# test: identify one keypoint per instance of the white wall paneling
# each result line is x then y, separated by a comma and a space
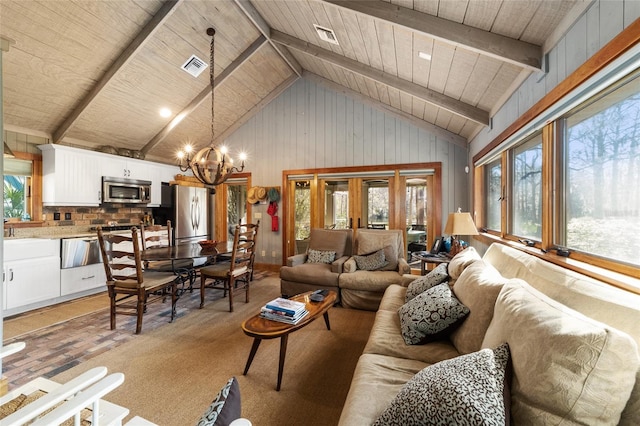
311, 125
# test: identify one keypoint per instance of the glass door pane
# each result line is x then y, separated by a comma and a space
336, 204
416, 208
375, 203
302, 215
236, 207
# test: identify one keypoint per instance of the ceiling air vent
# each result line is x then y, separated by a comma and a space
326, 34
194, 66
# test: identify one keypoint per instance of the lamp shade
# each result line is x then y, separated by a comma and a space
460, 223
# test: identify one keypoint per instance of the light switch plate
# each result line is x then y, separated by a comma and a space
257, 215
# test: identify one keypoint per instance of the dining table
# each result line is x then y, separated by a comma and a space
186, 276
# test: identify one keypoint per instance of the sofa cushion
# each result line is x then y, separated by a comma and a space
431, 315
369, 241
372, 261
467, 390
321, 256
567, 367
377, 380
225, 407
385, 338
461, 260
477, 288
330, 240
433, 278
312, 273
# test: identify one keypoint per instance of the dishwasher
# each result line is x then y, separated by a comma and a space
82, 271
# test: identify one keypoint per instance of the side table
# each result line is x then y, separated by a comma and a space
435, 259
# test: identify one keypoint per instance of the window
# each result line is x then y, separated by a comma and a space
571, 168
17, 185
493, 191
601, 144
526, 189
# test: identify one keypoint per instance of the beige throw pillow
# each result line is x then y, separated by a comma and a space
567, 368
477, 288
461, 260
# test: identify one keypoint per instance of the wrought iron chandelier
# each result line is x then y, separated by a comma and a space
211, 165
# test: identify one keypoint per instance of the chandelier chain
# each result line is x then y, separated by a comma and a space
211, 83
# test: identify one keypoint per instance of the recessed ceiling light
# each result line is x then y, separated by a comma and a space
424, 55
165, 112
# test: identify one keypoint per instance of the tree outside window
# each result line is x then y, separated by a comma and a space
526, 203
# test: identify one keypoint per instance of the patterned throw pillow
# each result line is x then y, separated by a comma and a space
431, 315
466, 390
321, 256
433, 278
371, 262
225, 408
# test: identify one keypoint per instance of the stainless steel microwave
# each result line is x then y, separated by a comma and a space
121, 190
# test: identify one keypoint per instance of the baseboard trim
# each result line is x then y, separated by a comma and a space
267, 267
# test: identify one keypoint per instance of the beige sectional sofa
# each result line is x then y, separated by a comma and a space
573, 342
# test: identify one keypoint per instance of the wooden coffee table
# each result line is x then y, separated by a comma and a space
260, 328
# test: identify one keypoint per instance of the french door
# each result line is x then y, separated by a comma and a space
403, 197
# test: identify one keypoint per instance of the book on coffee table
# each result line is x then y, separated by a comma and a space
280, 316
287, 306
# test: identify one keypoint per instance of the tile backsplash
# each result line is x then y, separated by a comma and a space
93, 216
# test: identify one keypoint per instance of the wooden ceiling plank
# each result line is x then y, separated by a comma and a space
330, 17
135, 46
525, 55
262, 26
245, 56
446, 102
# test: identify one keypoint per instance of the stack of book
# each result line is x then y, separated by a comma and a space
284, 310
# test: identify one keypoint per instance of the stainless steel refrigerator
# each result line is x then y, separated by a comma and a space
192, 214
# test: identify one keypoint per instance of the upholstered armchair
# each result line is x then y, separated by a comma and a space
378, 261
321, 265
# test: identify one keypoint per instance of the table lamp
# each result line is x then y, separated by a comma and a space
459, 223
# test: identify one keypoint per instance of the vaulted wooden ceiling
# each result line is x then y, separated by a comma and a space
93, 73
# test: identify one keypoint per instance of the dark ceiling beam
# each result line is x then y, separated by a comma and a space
127, 54
522, 54
438, 99
262, 26
205, 93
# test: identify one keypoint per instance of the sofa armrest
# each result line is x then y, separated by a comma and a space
349, 265
296, 260
338, 265
403, 266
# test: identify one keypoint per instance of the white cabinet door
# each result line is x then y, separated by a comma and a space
75, 280
162, 173
70, 176
31, 280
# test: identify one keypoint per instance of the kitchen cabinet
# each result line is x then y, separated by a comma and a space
73, 176
83, 278
129, 168
70, 176
162, 173
31, 272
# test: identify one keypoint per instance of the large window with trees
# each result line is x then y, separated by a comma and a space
601, 169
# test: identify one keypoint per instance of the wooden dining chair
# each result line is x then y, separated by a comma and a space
161, 236
130, 288
236, 274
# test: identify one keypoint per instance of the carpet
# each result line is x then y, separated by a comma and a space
173, 371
